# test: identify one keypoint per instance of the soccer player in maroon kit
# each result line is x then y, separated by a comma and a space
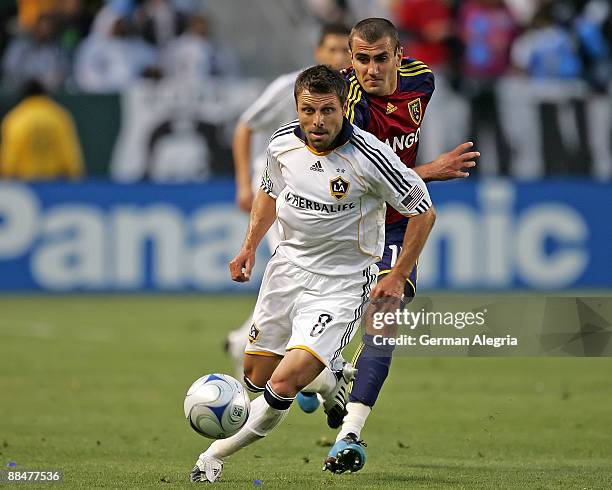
388, 97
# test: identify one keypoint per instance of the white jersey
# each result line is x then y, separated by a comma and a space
274, 107
331, 206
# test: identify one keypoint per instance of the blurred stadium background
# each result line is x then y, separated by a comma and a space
148, 94
154, 88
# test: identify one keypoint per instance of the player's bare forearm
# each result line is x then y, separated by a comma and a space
418, 230
241, 151
448, 166
415, 237
263, 215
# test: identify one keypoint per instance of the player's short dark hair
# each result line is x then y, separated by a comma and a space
321, 79
333, 30
373, 29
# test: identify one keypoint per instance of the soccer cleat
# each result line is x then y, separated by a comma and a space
347, 455
335, 405
308, 402
207, 469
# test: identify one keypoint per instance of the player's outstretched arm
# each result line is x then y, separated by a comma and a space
452, 165
263, 214
241, 150
417, 232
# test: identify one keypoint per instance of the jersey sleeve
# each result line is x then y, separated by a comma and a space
389, 178
270, 104
272, 182
429, 84
357, 105
416, 76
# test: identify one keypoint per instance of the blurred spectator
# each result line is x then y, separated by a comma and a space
426, 26
195, 56
158, 21
7, 11
39, 140
523, 10
107, 15
74, 22
31, 10
593, 28
329, 11
110, 60
547, 50
362, 9
487, 30
36, 55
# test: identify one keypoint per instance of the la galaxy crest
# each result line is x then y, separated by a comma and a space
415, 110
253, 334
339, 187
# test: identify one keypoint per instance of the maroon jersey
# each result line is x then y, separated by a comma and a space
394, 119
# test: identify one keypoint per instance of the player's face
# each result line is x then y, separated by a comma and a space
334, 52
320, 117
376, 64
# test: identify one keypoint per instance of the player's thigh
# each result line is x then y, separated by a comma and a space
328, 317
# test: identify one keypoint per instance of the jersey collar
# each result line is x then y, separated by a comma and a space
343, 137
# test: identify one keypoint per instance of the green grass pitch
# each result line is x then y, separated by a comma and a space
94, 386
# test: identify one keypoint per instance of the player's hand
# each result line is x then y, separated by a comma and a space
244, 198
390, 286
454, 164
242, 265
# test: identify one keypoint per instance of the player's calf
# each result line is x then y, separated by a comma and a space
372, 364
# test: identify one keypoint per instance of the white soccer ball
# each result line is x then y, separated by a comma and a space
216, 406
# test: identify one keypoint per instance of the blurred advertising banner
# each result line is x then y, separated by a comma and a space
490, 235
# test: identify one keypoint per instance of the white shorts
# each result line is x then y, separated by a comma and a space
297, 309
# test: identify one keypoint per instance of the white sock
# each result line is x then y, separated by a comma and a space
354, 420
262, 419
323, 384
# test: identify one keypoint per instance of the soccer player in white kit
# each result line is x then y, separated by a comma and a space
275, 107
327, 182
